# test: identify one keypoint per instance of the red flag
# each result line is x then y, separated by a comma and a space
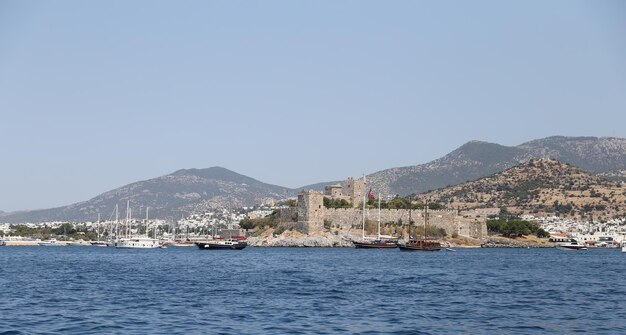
370, 195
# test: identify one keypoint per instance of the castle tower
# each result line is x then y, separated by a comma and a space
311, 211
355, 190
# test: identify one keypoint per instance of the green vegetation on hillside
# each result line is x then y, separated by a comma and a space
336, 203
400, 203
66, 231
269, 221
430, 231
515, 228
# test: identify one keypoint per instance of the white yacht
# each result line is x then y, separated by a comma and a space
624, 246
571, 245
138, 242
141, 242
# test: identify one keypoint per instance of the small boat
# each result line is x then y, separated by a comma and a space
228, 244
571, 245
420, 245
186, 243
3, 243
50, 243
75, 244
623, 246
99, 244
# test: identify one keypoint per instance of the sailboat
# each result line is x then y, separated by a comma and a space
179, 242
141, 242
114, 232
98, 243
422, 244
369, 243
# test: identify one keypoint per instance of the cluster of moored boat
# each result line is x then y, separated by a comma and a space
143, 242
411, 245
423, 244
127, 241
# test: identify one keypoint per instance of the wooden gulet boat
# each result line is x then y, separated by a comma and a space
423, 244
377, 243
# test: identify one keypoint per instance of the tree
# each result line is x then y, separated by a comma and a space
542, 233
246, 224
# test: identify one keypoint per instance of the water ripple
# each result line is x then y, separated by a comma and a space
310, 291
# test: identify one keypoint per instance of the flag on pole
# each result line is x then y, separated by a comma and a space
370, 195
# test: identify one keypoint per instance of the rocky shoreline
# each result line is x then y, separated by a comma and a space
333, 240
511, 243
294, 239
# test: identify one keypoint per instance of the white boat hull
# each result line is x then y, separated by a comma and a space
50, 243
138, 243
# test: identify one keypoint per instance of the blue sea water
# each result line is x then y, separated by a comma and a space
91, 290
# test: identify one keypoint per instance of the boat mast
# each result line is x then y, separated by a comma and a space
410, 222
425, 217
128, 219
98, 227
379, 216
363, 214
117, 223
147, 224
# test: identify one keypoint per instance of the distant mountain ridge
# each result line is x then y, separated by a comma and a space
171, 196
194, 190
477, 159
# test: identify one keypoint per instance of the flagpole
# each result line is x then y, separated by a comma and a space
363, 227
379, 216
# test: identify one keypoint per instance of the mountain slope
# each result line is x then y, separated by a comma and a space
479, 159
544, 187
194, 190
170, 196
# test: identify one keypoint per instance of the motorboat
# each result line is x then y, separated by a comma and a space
572, 244
50, 243
227, 244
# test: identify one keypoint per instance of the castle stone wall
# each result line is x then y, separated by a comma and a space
288, 214
447, 219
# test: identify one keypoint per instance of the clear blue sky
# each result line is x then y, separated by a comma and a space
98, 94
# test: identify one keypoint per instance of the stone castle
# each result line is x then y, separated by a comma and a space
311, 213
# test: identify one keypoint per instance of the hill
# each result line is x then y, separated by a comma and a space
542, 187
195, 190
180, 193
478, 159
